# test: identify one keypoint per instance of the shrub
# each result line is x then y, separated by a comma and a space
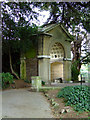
76, 96
7, 79
27, 81
43, 83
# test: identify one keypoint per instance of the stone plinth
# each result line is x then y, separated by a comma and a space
36, 82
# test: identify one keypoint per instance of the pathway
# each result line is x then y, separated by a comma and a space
21, 103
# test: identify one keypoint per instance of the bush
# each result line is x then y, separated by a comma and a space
43, 83
27, 81
7, 79
76, 96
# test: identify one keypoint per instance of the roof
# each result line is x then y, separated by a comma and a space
49, 27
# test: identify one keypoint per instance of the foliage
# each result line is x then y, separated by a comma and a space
27, 81
7, 79
74, 71
76, 96
43, 83
18, 34
74, 16
70, 14
85, 59
17, 17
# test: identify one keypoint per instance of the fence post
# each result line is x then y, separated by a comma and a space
81, 79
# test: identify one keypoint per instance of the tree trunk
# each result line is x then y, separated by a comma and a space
12, 67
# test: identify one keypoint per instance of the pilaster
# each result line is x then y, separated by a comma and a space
23, 68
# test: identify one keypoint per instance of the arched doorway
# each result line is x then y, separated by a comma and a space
56, 60
56, 70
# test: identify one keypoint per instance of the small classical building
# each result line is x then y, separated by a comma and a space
53, 57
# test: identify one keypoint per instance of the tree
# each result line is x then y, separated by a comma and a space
70, 14
85, 59
16, 30
20, 14
74, 16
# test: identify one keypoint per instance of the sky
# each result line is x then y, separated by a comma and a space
43, 17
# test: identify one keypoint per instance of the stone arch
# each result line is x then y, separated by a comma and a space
56, 70
57, 51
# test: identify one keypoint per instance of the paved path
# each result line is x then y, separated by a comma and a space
67, 84
21, 103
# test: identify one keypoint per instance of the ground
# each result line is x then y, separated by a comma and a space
18, 84
21, 103
56, 111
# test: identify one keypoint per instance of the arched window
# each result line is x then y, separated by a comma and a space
57, 51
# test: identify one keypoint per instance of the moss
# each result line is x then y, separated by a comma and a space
23, 70
31, 53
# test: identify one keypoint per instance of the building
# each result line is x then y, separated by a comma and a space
53, 57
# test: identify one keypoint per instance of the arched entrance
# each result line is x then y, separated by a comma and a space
56, 60
56, 70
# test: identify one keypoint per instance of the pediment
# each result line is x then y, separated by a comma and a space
47, 28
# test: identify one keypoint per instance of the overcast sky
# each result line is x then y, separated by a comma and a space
42, 18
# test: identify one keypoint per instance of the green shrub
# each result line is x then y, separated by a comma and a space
76, 96
7, 79
27, 81
43, 83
